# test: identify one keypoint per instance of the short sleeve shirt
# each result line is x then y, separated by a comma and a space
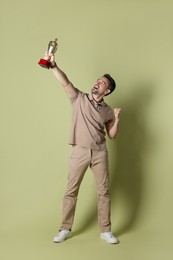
88, 121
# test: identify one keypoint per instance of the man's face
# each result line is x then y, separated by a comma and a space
101, 87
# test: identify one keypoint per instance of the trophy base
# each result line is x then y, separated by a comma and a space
44, 63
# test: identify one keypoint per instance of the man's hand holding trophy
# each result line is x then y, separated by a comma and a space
52, 47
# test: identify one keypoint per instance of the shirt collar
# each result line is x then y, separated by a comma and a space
91, 98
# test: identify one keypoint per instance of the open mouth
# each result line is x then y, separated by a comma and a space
95, 87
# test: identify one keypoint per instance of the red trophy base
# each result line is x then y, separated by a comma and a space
44, 63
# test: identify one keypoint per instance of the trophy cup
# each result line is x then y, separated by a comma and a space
52, 47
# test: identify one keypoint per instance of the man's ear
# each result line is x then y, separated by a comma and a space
107, 91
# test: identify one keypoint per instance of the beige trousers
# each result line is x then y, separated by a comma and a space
82, 158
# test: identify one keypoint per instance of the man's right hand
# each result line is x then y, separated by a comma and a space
50, 57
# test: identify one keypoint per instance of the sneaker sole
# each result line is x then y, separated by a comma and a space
69, 235
115, 242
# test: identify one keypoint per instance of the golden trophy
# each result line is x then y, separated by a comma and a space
52, 47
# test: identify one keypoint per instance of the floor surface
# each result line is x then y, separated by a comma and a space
142, 245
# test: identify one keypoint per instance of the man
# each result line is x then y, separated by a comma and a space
90, 116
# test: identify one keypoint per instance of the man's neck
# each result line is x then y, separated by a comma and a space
97, 98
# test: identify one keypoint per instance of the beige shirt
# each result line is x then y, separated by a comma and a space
88, 121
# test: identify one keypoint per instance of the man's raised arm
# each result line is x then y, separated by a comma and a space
61, 77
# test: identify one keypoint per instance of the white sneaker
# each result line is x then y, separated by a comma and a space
109, 238
62, 235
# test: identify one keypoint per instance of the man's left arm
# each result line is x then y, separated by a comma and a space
113, 125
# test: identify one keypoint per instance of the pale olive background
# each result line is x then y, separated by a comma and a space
131, 40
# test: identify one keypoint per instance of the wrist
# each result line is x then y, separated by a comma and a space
53, 65
117, 119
